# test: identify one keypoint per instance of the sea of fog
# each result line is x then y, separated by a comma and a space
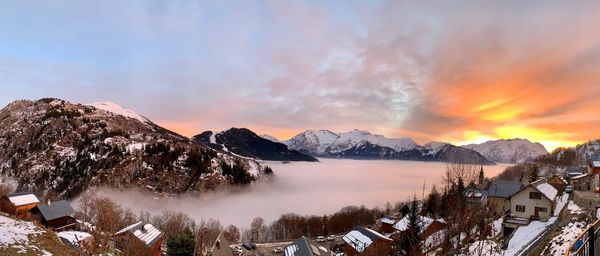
303, 188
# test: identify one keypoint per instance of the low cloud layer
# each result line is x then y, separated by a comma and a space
460, 72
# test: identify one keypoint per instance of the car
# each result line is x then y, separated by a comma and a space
253, 245
247, 246
568, 189
320, 239
331, 238
278, 250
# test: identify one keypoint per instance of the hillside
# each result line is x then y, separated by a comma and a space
54, 146
19, 237
244, 142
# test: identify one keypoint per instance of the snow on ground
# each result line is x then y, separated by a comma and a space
16, 234
559, 244
497, 227
574, 209
135, 146
485, 248
525, 235
74, 237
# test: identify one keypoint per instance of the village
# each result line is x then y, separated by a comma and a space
500, 217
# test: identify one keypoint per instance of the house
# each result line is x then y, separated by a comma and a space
387, 224
535, 201
499, 193
594, 171
58, 216
139, 238
19, 204
220, 247
581, 182
305, 247
364, 241
559, 183
428, 225
476, 196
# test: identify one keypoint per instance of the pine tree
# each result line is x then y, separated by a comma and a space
534, 173
181, 244
432, 203
413, 233
481, 176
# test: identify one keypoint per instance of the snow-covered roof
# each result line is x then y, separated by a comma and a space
360, 238
146, 233
583, 175
388, 220
304, 247
23, 199
596, 164
74, 237
548, 190
425, 221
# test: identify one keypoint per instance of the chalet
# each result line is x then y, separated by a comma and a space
304, 247
387, 224
559, 183
581, 182
594, 171
364, 241
535, 201
58, 216
499, 193
220, 247
19, 204
476, 197
139, 238
428, 225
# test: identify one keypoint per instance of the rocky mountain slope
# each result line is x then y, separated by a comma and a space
54, 146
244, 142
358, 144
579, 155
509, 151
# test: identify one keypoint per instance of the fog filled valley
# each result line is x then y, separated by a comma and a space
303, 188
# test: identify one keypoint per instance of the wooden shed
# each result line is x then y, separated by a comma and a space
58, 216
19, 204
364, 241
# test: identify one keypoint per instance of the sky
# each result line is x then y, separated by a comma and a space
456, 71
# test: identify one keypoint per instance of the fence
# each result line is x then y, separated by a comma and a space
587, 243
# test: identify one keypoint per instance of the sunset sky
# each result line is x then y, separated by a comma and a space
456, 71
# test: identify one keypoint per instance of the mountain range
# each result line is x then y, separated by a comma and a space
243, 142
509, 151
57, 147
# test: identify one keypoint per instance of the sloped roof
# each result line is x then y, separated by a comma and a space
425, 221
221, 247
25, 198
596, 164
145, 232
548, 190
56, 210
304, 247
504, 188
360, 238
389, 220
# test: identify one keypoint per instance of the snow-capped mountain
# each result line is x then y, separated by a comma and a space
509, 151
271, 138
318, 142
54, 146
246, 143
358, 144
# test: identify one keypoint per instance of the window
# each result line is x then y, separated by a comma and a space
535, 195
543, 209
520, 208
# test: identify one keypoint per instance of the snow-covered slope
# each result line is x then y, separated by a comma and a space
509, 151
18, 237
118, 110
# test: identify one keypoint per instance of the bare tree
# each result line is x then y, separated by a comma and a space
172, 223
258, 230
232, 234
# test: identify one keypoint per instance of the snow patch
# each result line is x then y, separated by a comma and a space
118, 110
